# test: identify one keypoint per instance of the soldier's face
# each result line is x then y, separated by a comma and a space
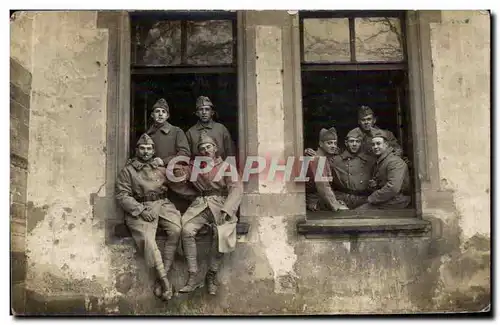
145, 152
207, 150
367, 122
160, 115
205, 113
379, 146
353, 144
330, 146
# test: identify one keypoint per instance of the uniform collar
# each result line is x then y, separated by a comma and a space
369, 133
138, 165
384, 155
346, 154
209, 125
165, 128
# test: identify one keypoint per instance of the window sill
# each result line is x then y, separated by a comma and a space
122, 232
378, 223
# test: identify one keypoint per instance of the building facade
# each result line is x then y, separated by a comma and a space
82, 82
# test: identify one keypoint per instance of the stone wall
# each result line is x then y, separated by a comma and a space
71, 268
20, 95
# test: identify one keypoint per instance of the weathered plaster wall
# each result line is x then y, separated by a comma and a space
461, 58
273, 270
460, 47
65, 245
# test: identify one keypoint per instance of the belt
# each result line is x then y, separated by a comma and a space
213, 192
151, 197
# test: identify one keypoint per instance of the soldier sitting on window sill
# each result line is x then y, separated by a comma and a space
319, 193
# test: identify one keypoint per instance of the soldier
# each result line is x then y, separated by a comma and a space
319, 193
141, 192
170, 141
367, 120
391, 181
216, 206
205, 112
352, 170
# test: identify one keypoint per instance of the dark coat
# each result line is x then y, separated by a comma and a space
170, 141
393, 181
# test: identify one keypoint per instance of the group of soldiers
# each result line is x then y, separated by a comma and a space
151, 200
369, 174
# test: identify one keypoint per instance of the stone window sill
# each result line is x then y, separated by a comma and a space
365, 224
122, 232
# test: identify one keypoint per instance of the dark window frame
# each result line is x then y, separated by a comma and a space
353, 65
410, 213
147, 17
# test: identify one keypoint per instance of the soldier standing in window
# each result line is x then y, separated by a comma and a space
216, 206
170, 141
367, 120
206, 124
319, 193
391, 181
141, 192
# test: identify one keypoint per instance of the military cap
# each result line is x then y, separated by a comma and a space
203, 101
354, 133
161, 103
364, 111
205, 138
145, 139
380, 134
328, 134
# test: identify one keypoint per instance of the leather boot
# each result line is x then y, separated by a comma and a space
211, 283
167, 289
192, 283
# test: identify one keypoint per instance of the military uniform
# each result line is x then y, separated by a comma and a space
170, 140
215, 130
366, 142
319, 193
393, 183
351, 173
216, 196
141, 186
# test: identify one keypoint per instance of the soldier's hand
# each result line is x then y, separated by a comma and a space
340, 207
310, 152
159, 162
224, 217
147, 215
372, 183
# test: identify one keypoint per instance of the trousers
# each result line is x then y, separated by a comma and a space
188, 235
144, 234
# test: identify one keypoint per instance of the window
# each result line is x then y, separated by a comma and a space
350, 59
179, 56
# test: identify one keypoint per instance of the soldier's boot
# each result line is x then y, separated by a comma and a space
192, 283
162, 289
211, 279
167, 289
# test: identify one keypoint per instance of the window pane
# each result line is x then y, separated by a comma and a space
326, 40
378, 39
160, 44
209, 42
